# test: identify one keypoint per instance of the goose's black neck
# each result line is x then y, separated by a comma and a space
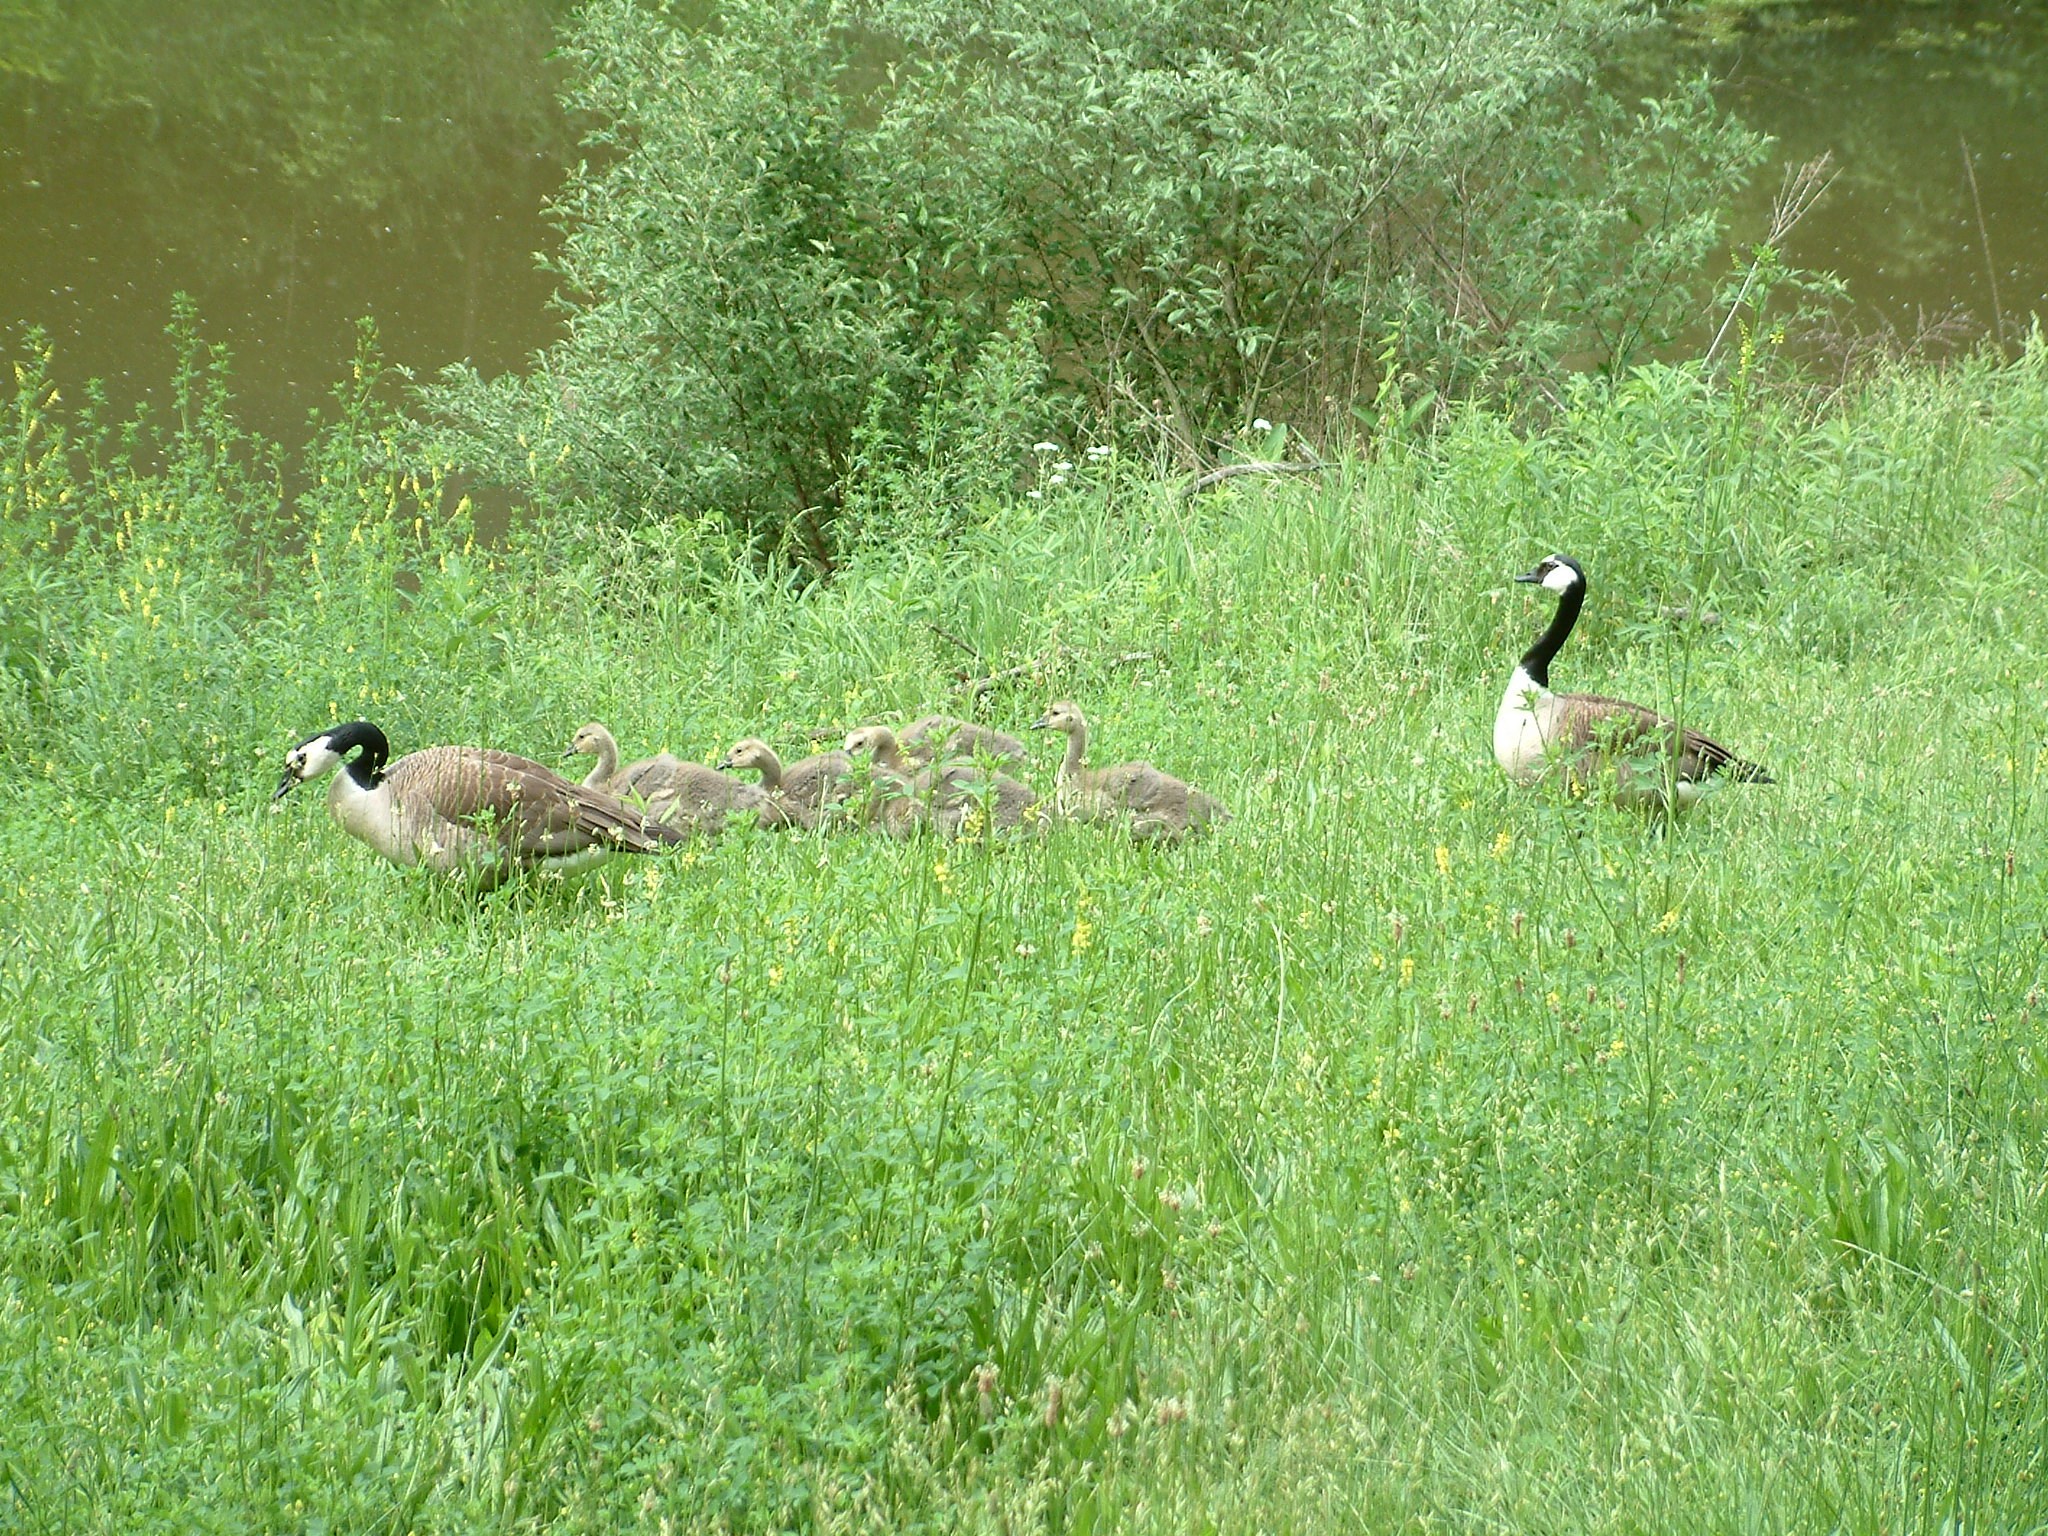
367, 767
1536, 660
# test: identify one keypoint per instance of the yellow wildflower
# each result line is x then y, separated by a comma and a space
1443, 859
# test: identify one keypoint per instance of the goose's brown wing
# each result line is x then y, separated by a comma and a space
527, 808
1592, 721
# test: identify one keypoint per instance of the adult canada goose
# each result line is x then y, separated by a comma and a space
806, 791
466, 810
1537, 730
1157, 806
893, 803
944, 739
685, 795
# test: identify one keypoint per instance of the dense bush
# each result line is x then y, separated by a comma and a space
810, 221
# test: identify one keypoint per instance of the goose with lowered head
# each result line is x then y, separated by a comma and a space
466, 811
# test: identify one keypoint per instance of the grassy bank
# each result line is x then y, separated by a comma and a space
1414, 1154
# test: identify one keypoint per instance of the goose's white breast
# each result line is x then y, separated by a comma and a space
1518, 728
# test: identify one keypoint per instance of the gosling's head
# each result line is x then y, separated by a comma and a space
878, 739
590, 741
748, 752
1064, 716
1560, 573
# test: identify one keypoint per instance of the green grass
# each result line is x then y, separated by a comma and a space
1415, 1154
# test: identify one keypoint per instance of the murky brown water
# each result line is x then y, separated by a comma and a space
295, 167
1901, 93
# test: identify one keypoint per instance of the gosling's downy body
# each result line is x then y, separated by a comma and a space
943, 739
964, 798
803, 795
1155, 805
892, 802
1583, 735
466, 811
687, 796
961, 798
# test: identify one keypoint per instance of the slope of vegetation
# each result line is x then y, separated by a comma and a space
1415, 1153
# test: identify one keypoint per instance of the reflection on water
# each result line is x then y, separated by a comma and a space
1897, 91
294, 167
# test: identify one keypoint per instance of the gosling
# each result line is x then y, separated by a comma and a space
1156, 806
892, 803
806, 793
687, 796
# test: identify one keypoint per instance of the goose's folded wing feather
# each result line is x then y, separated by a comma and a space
522, 804
1584, 720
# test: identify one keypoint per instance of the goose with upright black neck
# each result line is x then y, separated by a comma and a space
1535, 732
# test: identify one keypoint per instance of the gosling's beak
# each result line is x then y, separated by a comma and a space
290, 782
570, 752
1534, 578
725, 763
1038, 725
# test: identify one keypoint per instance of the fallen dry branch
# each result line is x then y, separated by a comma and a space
1224, 472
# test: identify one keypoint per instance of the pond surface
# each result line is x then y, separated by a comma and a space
1915, 101
294, 167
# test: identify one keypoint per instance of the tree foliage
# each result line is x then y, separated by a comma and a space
809, 219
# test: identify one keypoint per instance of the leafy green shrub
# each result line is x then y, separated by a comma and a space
814, 221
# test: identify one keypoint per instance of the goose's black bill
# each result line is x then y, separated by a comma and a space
290, 782
1534, 578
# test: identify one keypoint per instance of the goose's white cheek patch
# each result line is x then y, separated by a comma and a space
1560, 579
314, 759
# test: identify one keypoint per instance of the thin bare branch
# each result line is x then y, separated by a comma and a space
1224, 472
1804, 186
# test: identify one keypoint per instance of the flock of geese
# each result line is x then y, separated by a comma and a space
486, 815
